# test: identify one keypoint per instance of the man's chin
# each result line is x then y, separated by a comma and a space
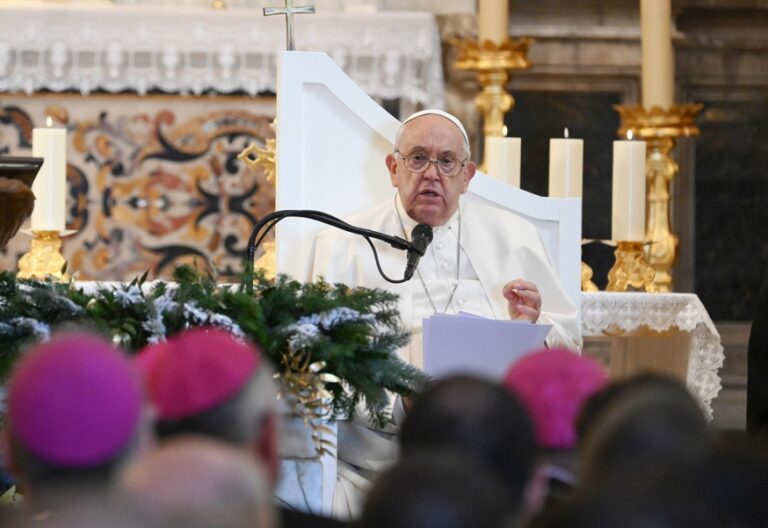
431, 216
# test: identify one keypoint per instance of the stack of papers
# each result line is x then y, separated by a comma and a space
469, 344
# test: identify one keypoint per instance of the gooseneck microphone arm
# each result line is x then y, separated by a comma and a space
269, 221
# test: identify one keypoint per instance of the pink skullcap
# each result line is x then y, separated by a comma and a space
74, 401
195, 370
553, 385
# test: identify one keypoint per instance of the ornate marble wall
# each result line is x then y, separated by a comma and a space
153, 181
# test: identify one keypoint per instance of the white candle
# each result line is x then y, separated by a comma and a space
566, 165
493, 20
628, 218
49, 186
502, 159
658, 67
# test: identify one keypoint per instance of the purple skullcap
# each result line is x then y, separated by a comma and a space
195, 370
74, 402
553, 385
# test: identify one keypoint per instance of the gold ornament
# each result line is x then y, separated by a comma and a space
44, 259
586, 279
303, 387
492, 63
631, 271
659, 128
264, 158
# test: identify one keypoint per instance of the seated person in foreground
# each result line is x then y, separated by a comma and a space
483, 259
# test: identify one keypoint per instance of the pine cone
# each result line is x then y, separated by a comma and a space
16, 203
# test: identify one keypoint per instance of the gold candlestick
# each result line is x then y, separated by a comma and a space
44, 258
631, 270
660, 128
586, 279
492, 63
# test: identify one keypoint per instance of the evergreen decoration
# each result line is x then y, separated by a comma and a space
334, 347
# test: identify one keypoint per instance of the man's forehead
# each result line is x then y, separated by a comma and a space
433, 112
428, 132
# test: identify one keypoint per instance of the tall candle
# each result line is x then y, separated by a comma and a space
502, 159
658, 77
49, 186
628, 218
566, 165
493, 20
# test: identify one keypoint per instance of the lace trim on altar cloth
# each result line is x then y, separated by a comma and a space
601, 312
390, 55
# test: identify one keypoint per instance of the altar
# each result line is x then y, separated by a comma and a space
669, 333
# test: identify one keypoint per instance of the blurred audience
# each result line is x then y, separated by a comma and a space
74, 413
204, 381
439, 489
652, 423
553, 385
483, 423
196, 482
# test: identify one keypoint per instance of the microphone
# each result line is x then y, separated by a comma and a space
421, 236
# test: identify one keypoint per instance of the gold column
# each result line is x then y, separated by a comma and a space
492, 63
660, 128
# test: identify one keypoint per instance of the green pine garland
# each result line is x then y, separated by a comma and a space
346, 337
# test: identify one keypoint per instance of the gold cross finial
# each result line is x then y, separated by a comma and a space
289, 10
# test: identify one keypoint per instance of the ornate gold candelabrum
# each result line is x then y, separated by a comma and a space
660, 128
492, 63
631, 270
44, 258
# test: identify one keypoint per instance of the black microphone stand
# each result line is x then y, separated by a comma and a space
272, 219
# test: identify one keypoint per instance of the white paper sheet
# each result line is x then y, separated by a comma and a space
470, 344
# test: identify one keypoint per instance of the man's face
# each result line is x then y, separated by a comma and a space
427, 196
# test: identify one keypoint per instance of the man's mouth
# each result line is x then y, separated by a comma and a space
430, 194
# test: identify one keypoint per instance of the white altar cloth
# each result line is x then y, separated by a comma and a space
609, 313
115, 48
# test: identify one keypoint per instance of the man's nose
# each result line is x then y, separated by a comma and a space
431, 171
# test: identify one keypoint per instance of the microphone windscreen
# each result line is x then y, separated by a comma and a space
422, 232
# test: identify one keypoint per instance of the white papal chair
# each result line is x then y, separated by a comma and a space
332, 139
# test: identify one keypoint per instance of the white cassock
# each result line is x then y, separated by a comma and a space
495, 247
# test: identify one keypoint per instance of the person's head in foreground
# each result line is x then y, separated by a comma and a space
196, 482
74, 413
553, 384
205, 381
652, 423
483, 423
437, 489
430, 166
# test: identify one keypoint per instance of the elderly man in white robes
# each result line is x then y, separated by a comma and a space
483, 259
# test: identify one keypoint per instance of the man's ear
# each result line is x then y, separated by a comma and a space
470, 169
391, 161
266, 447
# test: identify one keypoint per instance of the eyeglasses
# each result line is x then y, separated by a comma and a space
447, 166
